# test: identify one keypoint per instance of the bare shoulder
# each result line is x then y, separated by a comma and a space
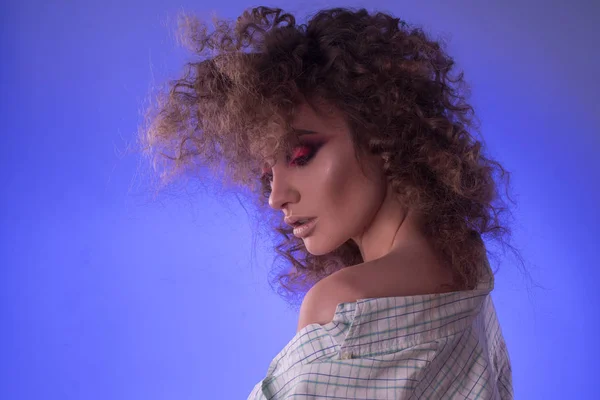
384, 277
320, 302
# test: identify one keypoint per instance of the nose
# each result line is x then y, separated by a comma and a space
282, 189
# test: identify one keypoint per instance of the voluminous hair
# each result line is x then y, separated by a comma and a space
233, 107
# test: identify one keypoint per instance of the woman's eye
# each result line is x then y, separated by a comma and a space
303, 154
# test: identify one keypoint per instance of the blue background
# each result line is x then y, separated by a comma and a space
107, 294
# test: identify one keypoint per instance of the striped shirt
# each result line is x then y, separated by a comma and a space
435, 346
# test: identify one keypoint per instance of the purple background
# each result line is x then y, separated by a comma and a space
107, 295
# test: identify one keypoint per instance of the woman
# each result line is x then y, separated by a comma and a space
354, 131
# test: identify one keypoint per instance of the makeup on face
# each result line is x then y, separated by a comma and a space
302, 154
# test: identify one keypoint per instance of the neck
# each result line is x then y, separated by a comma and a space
391, 229
398, 259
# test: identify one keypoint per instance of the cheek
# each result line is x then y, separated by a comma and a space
350, 198
336, 184
342, 191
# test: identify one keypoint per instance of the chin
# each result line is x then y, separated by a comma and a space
313, 246
318, 247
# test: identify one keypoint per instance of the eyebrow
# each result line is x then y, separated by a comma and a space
299, 132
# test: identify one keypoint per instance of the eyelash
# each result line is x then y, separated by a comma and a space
299, 161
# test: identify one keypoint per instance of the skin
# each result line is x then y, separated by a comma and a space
351, 204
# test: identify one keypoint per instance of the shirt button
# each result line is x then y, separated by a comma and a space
346, 356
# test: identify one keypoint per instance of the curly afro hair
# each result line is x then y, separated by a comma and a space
232, 111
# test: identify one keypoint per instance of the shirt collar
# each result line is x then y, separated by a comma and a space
387, 324
374, 326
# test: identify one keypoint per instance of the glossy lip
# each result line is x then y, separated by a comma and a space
306, 229
292, 220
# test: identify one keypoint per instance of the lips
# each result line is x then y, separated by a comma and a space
305, 229
292, 221
302, 222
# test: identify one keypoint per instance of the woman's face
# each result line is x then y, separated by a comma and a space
322, 179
